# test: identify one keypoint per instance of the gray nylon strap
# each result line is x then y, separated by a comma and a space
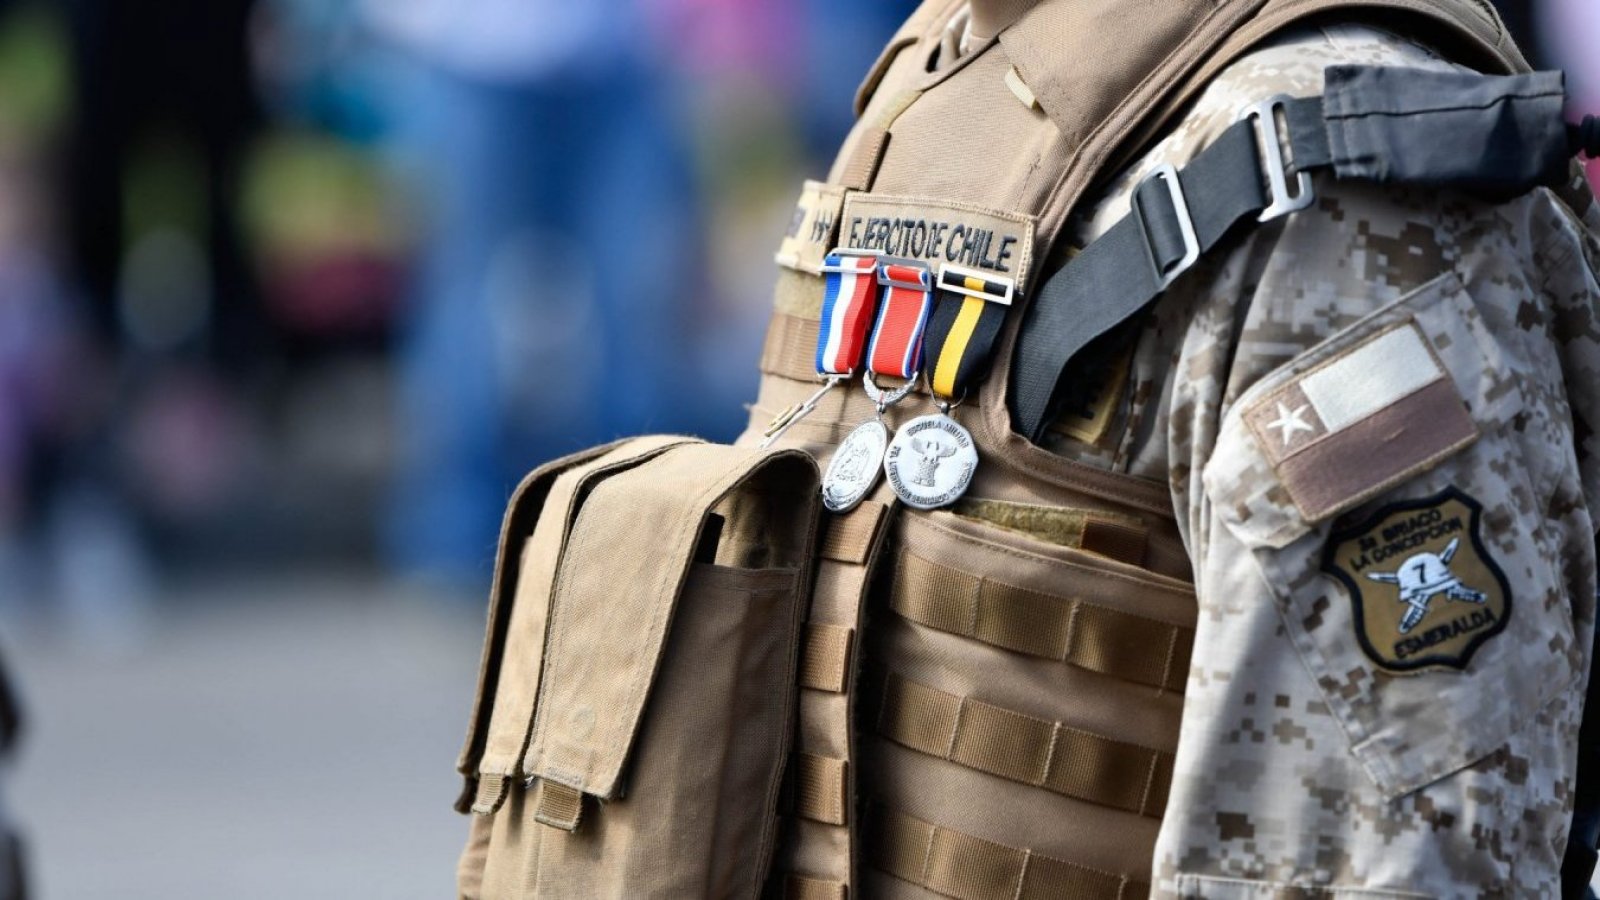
1125, 269
1494, 135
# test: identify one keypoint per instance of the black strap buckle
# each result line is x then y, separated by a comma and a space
1270, 147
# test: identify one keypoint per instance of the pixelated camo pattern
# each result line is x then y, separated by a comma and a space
1304, 770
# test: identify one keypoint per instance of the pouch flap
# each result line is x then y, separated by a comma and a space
522, 513
527, 583
628, 555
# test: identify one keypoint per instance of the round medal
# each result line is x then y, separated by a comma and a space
854, 468
930, 461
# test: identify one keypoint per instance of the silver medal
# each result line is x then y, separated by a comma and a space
930, 461
859, 458
855, 465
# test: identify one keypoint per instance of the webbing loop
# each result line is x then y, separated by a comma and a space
967, 867
1087, 635
1018, 747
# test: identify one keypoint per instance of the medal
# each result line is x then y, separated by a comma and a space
848, 298
854, 467
895, 351
931, 460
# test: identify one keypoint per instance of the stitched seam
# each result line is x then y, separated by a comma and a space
1466, 107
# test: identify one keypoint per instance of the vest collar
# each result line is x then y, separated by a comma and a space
990, 17
1081, 58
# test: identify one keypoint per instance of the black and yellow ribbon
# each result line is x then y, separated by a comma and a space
964, 328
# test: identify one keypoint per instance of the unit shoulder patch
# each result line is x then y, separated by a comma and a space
1424, 589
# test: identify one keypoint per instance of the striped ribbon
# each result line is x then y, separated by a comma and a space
849, 295
964, 328
896, 349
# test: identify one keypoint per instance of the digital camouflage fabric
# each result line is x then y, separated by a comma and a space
1403, 726
1295, 599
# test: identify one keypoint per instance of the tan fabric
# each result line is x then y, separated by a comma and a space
819, 850
790, 349
1097, 638
523, 656
796, 887
1022, 748
825, 657
1021, 785
469, 869
697, 714
936, 231
959, 865
863, 162
559, 806
850, 538
812, 228
526, 507
821, 791
638, 528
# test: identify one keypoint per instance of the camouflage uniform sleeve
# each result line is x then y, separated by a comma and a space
1381, 443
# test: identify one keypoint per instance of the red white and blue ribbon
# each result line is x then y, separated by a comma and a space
849, 295
896, 348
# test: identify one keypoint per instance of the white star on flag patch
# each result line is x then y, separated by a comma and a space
1360, 422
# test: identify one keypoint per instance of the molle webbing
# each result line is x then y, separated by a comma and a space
815, 857
790, 347
798, 887
1069, 761
825, 657
821, 791
1083, 634
955, 864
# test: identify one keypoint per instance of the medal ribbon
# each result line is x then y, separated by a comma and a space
896, 349
965, 325
848, 297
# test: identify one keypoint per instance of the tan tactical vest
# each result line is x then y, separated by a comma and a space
988, 696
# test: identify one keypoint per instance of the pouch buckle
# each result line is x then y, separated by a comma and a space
1270, 148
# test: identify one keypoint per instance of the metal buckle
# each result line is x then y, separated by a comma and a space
964, 273
874, 255
1268, 144
923, 274
1180, 206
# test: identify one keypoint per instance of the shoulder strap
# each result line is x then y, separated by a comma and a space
1112, 74
1500, 135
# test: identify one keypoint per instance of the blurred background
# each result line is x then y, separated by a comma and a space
292, 293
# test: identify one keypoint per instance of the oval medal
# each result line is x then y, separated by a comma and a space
854, 468
930, 461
